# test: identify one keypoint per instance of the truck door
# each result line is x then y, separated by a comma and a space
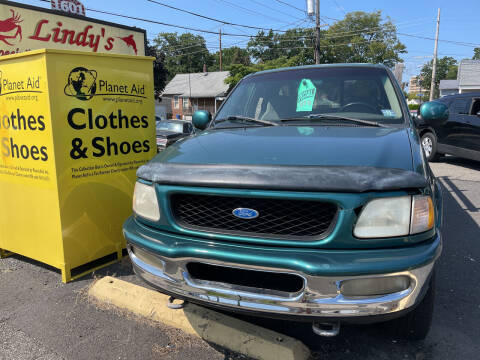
472, 127
453, 133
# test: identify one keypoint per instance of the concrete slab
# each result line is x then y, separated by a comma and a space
228, 332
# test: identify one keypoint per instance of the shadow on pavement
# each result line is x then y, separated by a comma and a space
470, 164
449, 184
119, 269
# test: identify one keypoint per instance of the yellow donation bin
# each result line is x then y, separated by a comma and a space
74, 127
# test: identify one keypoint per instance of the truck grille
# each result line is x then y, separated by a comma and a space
277, 218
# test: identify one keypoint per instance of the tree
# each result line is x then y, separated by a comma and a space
476, 53
230, 56
447, 69
159, 71
361, 37
297, 42
185, 53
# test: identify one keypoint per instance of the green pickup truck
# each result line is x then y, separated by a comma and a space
306, 197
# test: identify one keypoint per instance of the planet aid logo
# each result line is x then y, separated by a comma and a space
81, 83
10, 29
85, 84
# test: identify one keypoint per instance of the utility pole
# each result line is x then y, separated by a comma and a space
434, 67
220, 38
317, 41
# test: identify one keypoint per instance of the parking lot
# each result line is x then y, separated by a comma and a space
42, 318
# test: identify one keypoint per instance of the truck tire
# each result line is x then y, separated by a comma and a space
429, 146
416, 324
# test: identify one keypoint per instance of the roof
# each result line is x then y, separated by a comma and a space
448, 84
469, 73
198, 85
378, 66
454, 96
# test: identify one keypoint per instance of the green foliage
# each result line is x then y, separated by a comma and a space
159, 71
296, 42
360, 37
230, 56
413, 106
476, 53
363, 38
447, 69
185, 53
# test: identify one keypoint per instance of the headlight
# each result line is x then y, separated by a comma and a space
398, 216
145, 203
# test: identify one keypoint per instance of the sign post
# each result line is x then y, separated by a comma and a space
74, 127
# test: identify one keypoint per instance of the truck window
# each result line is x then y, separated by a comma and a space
475, 107
460, 106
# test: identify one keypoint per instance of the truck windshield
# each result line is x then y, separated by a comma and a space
365, 93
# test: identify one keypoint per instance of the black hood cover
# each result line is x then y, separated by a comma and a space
293, 178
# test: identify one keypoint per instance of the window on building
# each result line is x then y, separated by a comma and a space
176, 102
186, 103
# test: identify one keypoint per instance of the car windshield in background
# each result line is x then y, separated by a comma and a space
170, 126
365, 93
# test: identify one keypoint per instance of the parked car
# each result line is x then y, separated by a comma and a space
460, 135
306, 197
169, 131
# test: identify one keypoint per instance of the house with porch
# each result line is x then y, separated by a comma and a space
196, 91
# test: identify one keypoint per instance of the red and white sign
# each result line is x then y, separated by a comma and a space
24, 28
70, 6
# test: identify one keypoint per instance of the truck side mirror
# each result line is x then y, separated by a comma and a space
434, 113
201, 118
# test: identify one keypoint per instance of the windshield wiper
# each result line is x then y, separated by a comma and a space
335, 117
245, 119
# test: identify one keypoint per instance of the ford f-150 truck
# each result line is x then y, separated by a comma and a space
307, 197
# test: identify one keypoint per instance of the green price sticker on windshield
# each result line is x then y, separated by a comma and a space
306, 95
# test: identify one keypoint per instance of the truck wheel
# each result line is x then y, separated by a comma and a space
429, 146
416, 324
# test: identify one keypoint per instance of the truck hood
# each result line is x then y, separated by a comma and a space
340, 159
296, 146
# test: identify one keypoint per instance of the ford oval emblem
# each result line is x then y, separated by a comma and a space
245, 213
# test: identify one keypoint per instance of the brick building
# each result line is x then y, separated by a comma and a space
197, 91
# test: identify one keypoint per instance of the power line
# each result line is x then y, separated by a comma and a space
461, 43
212, 19
292, 6
165, 24
273, 9
252, 36
251, 11
339, 7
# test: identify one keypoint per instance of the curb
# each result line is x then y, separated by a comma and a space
233, 334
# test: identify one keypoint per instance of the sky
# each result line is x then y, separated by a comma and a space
459, 20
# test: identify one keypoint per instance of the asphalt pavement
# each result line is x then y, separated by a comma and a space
41, 318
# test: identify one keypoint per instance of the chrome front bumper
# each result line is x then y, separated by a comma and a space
320, 297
